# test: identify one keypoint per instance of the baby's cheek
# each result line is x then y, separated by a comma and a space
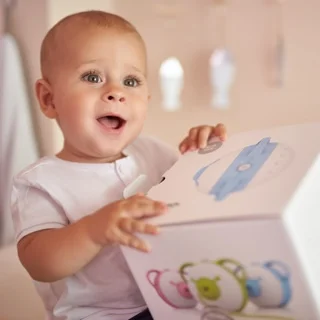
139, 114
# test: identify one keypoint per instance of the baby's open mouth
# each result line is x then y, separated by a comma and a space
112, 122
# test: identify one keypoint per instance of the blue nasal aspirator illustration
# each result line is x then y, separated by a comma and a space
241, 171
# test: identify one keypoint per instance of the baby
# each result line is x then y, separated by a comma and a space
69, 211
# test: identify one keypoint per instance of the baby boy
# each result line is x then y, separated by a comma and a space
69, 211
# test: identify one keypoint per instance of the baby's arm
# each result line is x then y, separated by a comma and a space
52, 254
60, 249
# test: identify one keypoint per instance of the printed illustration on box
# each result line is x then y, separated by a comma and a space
223, 289
268, 285
254, 165
171, 288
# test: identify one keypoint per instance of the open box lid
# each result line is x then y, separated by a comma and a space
251, 175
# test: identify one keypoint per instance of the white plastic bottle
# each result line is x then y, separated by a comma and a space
171, 83
222, 75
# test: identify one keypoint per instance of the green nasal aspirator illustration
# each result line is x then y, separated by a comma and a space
221, 287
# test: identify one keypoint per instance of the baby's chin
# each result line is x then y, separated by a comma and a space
93, 153
108, 153
100, 146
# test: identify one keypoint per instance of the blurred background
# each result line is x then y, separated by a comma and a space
188, 30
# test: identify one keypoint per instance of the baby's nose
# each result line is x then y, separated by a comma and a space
116, 97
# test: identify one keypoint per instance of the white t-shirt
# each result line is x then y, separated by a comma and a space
53, 193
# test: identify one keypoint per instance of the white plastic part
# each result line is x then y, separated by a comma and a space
138, 185
222, 75
171, 82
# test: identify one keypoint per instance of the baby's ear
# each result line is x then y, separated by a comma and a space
45, 98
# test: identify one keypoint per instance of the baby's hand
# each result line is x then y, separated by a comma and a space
117, 223
198, 137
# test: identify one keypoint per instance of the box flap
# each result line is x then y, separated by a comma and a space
251, 175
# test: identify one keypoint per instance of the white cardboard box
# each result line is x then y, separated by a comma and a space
242, 237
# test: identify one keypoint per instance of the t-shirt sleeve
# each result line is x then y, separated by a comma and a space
33, 209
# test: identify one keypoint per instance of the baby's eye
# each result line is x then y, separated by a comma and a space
93, 78
131, 82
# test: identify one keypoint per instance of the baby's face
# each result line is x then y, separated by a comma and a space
100, 92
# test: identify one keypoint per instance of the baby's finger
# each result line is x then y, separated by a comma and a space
145, 207
193, 134
203, 136
193, 138
132, 241
132, 226
193, 145
220, 131
140, 194
183, 147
